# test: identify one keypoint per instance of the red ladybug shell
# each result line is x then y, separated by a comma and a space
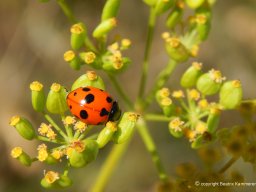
91, 105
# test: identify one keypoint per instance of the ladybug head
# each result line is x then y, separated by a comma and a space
115, 112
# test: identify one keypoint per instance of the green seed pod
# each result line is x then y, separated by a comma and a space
231, 94
106, 134
125, 127
79, 159
176, 134
21, 156
150, 2
210, 83
213, 120
104, 27
24, 127
78, 35
194, 3
56, 99
110, 9
175, 16
89, 79
176, 50
72, 59
189, 78
163, 5
37, 96
64, 181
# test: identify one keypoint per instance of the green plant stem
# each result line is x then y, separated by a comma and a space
156, 117
57, 128
160, 81
151, 26
228, 165
150, 145
67, 11
42, 138
120, 91
109, 166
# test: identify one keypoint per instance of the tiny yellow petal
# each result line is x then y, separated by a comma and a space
173, 41
166, 101
164, 92
201, 19
55, 87
89, 57
194, 94
201, 128
76, 29
69, 55
69, 120
16, 152
51, 177
80, 126
178, 94
165, 35
203, 104
57, 154
197, 65
111, 125
236, 83
176, 124
14, 120
36, 86
126, 43
216, 76
91, 75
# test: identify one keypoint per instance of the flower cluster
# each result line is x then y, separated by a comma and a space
191, 113
72, 142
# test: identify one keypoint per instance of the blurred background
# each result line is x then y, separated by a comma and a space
33, 38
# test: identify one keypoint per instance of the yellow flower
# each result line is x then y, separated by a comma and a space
16, 152
69, 120
36, 86
201, 19
89, 57
55, 87
57, 154
69, 55
197, 65
178, 94
80, 126
166, 101
51, 134
176, 124
91, 75
78, 145
51, 176
191, 135
76, 28
203, 104
165, 35
194, 50
173, 41
113, 47
14, 120
42, 152
164, 92
216, 76
194, 94
201, 127
126, 43
43, 129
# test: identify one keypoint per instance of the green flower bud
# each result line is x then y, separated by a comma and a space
176, 50
106, 134
210, 83
176, 134
50, 180
56, 99
110, 9
21, 156
125, 127
189, 78
78, 35
176, 126
175, 16
150, 2
91, 59
37, 96
203, 26
86, 152
194, 3
89, 79
23, 126
115, 62
50, 160
64, 181
104, 27
213, 120
163, 5
231, 94
72, 59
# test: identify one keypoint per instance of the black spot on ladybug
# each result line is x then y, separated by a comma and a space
70, 106
89, 98
103, 112
75, 93
83, 114
109, 99
86, 89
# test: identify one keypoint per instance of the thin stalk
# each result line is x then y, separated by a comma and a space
120, 91
151, 26
228, 165
67, 11
109, 166
57, 128
42, 138
156, 117
160, 81
150, 145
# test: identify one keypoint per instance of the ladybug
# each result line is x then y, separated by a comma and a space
93, 106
